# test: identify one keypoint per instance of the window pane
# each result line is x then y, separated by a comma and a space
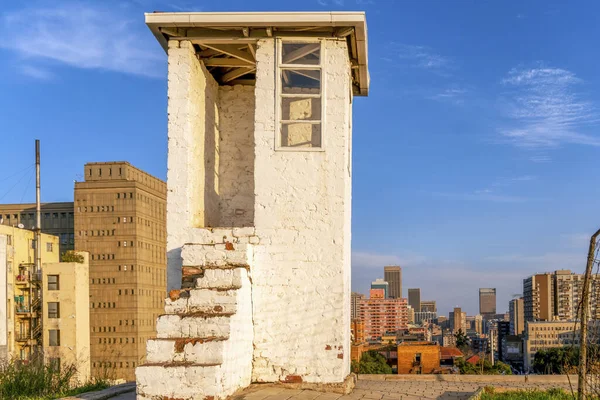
54, 336
301, 81
53, 310
53, 282
295, 108
301, 53
301, 135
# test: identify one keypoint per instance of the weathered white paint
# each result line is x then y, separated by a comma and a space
301, 273
269, 229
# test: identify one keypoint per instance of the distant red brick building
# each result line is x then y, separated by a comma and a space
382, 315
419, 358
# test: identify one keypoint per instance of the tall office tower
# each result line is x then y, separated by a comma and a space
458, 320
428, 306
354, 298
487, 301
57, 220
120, 219
502, 332
516, 317
393, 276
414, 299
381, 284
538, 297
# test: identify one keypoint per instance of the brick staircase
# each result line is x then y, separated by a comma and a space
203, 349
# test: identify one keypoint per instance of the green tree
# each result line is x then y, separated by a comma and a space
371, 362
462, 341
71, 256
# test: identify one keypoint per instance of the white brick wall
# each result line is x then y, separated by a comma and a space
277, 254
236, 170
301, 272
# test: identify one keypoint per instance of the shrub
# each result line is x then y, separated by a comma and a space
71, 256
38, 380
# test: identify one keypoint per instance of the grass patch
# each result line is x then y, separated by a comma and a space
37, 380
550, 394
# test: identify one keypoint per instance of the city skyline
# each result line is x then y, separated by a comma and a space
494, 206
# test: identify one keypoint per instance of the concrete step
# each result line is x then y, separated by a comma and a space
193, 325
187, 381
207, 301
196, 351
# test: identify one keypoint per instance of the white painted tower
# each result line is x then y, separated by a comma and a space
259, 200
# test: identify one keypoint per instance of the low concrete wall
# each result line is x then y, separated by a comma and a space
104, 394
500, 379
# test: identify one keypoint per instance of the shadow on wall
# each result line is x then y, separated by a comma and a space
174, 271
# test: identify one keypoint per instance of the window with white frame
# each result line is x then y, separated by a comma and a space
300, 95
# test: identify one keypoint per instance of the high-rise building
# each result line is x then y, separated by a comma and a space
382, 316
411, 315
414, 299
57, 220
475, 324
556, 296
120, 219
425, 316
45, 310
428, 306
458, 320
516, 317
538, 297
487, 301
381, 284
393, 276
354, 298
503, 330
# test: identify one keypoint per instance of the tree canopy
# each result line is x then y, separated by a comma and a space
371, 362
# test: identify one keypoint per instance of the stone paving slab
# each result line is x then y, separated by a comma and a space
398, 387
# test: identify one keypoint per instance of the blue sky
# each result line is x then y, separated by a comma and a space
474, 154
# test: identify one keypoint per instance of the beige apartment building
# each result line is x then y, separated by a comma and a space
556, 296
57, 219
120, 219
543, 335
45, 311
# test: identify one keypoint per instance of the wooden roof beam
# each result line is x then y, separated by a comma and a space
231, 50
236, 73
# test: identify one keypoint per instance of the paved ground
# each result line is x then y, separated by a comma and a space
383, 390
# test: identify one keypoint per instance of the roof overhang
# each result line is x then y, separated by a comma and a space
218, 30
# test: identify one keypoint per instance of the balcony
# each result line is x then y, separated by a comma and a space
22, 280
21, 337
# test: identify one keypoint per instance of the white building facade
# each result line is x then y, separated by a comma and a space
259, 201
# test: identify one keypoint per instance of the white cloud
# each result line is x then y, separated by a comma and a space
418, 56
546, 109
82, 35
544, 262
454, 95
375, 260
36, 73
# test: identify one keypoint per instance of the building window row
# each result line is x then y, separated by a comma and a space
100, 257
125, 243
125, 195
86, 209
125, 267
124, 220
126, 292
126, 322
103, 329
103, 232
103, 305
103, 281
